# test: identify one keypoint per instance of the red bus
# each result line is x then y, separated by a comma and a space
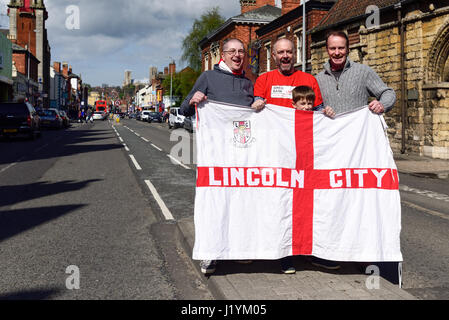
101, 106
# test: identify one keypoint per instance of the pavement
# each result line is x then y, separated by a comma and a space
262, 279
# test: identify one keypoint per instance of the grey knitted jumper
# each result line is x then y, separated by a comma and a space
352, 90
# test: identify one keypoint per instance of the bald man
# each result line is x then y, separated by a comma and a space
275, 87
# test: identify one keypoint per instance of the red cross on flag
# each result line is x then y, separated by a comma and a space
285, 182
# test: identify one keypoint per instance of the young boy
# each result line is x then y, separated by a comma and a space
304, 98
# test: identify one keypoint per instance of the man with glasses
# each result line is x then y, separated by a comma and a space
225, 83
275, 87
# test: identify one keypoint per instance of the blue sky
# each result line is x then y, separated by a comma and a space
117, 35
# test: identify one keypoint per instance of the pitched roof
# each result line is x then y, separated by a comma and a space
262, 15
344, 10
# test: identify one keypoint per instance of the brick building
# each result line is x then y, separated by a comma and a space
254, 13
27, 29
407, 44
290, 25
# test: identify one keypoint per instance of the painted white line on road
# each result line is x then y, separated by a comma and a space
156, 147
11, 165
126, 147
167, 214
135, 162
429, 194
176, 161
120, 138
137, 134
40, 148
428, 211
146, 140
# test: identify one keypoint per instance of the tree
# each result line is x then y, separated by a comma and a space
207, 23
182, 83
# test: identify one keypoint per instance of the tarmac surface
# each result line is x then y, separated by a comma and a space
262, 280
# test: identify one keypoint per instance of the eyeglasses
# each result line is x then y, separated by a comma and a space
233, 52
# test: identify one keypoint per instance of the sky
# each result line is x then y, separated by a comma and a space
116, 35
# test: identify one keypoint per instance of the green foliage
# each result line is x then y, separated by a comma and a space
207, 23
182, 83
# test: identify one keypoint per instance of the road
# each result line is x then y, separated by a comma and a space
75, 224
425, 209
103, 197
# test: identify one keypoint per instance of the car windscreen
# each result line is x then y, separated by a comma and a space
13, 108
154, 114
47, 113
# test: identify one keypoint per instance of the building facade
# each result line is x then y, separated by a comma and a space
6, 81
27, 29
407, 44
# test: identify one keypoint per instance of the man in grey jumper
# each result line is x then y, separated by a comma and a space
225, 83
346, 85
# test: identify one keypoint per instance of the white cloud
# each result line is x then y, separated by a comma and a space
116, 35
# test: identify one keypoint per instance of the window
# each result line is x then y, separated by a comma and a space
298, 40
215, 52
268, 53
206, 61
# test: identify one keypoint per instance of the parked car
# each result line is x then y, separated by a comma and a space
99, 115
190, 123
144, 116
175, 119
65, 118
138, 115
19, 119
51, 118
155, 117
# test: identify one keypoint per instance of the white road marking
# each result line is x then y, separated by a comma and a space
11, 165
120, 138
42, 147
167, 214
126, 147
156, 147
135, 162
428, 211
429, 194
137, 134
146, 140
178, 162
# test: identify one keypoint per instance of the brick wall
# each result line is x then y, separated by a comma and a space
248, 5
289, 31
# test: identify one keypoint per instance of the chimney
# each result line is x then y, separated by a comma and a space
248, 5
165, 70
289, 5
172, 68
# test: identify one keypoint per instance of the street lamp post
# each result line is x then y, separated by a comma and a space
171, 82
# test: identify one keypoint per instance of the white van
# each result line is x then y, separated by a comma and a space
175, 119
